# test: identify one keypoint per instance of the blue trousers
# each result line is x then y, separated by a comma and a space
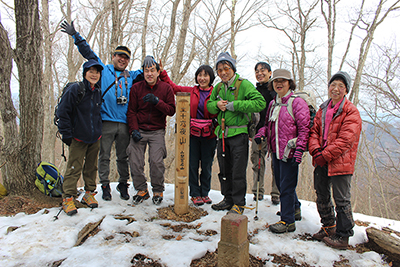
286, 177
201, 153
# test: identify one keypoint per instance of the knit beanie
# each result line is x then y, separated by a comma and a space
344, 76
225, 56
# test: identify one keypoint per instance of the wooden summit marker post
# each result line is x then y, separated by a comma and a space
182, 153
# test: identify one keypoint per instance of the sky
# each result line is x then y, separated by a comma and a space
40, 240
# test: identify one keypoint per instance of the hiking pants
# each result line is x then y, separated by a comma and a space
233, 168
286, 177
82, 158
201, 151
157, 153
341, 185
118, 132
254, 160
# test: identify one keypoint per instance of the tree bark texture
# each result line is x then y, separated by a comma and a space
176, 71
29, 57
49, 129
8, 141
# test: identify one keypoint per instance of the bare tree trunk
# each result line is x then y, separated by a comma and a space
8, 141
24, 158
176, 73
49, 130
366, 44
171, 34
144, 31
233, 33
116, 23
330, 20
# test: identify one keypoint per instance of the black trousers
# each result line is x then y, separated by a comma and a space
340, 185
233, 168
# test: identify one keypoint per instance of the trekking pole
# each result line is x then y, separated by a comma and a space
56, 217
223, 147
258, 179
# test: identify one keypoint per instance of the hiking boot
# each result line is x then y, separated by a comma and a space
325, 232
68, 206
336, 241
297, 214
106, 192
282, 227
157, 198
122, 188
207, 200
236, 210
89, 200
260, 197
197, 201
275, 200
140, 196
223, 205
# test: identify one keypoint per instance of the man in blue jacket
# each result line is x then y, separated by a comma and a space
113, 110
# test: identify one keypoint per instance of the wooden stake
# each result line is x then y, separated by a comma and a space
182, 153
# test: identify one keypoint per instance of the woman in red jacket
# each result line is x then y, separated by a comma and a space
202, 138
333, 144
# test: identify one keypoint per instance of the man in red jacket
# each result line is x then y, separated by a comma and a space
333, 144
150, 101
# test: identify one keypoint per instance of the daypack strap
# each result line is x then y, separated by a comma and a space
238, 82
290, 105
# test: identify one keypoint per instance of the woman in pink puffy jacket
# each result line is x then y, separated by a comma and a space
287, 138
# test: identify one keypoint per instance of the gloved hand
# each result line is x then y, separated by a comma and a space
229, 106
67, 141
136, 136
148, 61
150, 98
297, 156
258, 140
319, 159
68, 28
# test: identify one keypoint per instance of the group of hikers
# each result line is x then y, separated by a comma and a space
129, 108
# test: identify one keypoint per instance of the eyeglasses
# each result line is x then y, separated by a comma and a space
340, 86
261, 70
224, 69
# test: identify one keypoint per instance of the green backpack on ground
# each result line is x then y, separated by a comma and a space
49, 180
3, 191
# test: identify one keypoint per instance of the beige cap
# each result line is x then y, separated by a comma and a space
281, 74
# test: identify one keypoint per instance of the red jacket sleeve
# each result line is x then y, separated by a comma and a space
177, 88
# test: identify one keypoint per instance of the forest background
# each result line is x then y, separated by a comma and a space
312, 38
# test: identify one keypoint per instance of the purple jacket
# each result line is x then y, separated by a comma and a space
279, 132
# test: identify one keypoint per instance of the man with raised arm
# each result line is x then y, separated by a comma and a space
118, 81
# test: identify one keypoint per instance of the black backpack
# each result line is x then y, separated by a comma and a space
81, 94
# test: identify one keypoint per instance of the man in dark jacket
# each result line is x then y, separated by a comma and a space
80, 127
150, 102
263, 74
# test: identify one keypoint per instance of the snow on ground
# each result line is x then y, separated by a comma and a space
40, 240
